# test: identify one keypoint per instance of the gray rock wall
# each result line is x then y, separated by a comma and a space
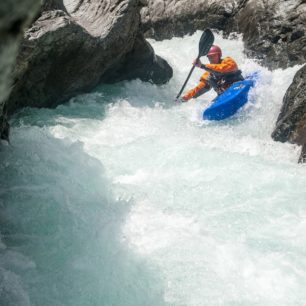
163, 19
13, 19
273, 31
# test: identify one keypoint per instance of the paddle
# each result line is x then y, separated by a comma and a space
206, 41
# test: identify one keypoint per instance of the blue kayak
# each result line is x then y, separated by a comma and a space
228, 103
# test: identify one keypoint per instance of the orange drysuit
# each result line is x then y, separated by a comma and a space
217, 76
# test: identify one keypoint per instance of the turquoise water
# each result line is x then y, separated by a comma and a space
121, 197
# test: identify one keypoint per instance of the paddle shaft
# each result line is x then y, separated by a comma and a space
189, 75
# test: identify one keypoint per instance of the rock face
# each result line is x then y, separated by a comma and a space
291, 123
302, 158
163, 19
13, 19
70, 47
273, 31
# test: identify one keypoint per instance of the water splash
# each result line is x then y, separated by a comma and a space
121, 197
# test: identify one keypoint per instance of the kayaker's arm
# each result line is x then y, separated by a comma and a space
219, 73
226, 64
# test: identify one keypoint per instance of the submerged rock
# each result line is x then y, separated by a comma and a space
69, 49
291, 123
14, 18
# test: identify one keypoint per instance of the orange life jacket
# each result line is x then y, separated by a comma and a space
220, 77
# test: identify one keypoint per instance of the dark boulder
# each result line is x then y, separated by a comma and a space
69, 51
141, 63
291, 123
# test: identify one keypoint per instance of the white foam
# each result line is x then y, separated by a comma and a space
215, 209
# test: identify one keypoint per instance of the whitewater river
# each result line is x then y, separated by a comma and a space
122, 197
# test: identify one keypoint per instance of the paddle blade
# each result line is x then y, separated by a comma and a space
206, 41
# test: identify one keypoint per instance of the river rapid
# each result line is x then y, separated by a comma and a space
123, 197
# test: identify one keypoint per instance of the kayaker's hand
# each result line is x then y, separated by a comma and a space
197, 63
184, 98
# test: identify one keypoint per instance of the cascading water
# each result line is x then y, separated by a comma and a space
121, 197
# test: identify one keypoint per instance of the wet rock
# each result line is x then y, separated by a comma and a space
291, 123
13, 19
48, 5
163, 19
141, 63
64, 54
273, 31
68, 51
302, 158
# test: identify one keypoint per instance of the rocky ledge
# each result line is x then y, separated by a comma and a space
74, 45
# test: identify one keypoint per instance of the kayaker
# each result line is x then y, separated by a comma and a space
220, 74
